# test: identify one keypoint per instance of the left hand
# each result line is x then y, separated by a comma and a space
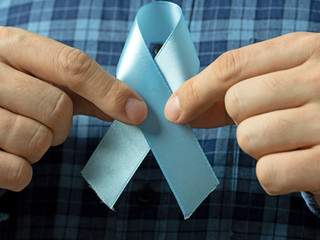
271, 90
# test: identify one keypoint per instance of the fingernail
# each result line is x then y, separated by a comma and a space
172, 109
136, 110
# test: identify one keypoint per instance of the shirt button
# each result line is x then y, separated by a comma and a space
145, 195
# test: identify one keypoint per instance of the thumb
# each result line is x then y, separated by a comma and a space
82, 106
200, 94
72, 69
113, 99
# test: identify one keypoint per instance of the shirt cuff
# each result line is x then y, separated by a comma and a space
311, 203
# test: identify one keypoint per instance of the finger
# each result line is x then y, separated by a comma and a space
15, 172
23, 136
71, 68
274, 91
33, 98
82, 106
280, 131
292, 171
215, 116
200, 92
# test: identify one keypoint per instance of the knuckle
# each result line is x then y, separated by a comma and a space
19, 175
10, 35
312, 78
273, 82
59, 116
277, 126
73, 63
316, 40
115, 93
14, 123
61, 109
227, 65
233, 105
245, 138
39, 143
314, 115
6, 33
312, 40
309, 39
194, 90
190, 90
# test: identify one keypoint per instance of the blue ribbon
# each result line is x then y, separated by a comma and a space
175, 147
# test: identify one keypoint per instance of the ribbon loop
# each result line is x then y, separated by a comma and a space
175, 147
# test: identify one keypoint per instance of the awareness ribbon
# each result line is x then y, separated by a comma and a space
175, 147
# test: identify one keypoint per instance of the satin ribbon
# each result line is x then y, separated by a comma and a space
175, 147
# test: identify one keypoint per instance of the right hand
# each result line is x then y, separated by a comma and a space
271, 91
43, 83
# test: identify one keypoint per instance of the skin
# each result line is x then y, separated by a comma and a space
43, 83
271, 91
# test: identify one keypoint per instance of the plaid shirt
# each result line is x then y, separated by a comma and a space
58, 204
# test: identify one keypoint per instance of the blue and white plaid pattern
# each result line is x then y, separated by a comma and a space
59, 204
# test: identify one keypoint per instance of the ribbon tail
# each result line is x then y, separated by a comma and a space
111, 167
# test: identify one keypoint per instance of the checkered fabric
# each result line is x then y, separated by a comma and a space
58, 204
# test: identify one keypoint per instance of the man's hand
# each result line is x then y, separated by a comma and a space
43, 83
271, 90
